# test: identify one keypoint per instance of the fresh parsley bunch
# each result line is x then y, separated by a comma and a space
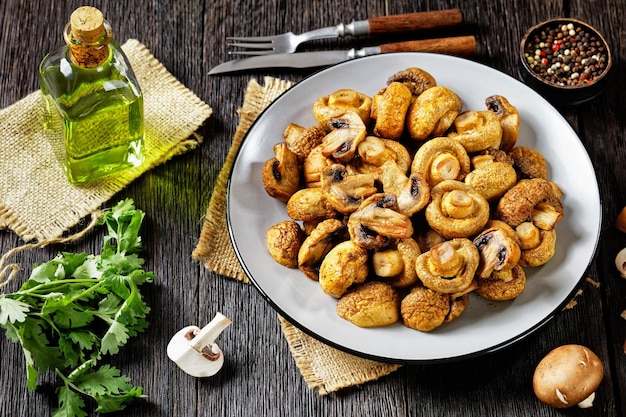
77, 308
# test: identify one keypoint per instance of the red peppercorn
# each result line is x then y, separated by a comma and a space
555, 47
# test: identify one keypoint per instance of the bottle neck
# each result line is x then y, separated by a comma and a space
88, 54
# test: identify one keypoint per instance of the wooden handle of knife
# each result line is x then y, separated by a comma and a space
455, 45
411, 22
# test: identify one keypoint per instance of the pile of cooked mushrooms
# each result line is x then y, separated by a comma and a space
404, 203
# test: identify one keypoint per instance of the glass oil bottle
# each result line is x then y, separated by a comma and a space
90, 89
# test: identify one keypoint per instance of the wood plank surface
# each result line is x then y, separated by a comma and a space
260, 375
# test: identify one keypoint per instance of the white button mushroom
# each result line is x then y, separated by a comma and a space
194, 351
568, 375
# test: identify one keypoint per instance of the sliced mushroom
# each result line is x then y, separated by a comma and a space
315, 247
387, 263
301, 140
373, 152
509, 119
346, 132
498, 249
567, 376
477, 130
377, 224
409, 250
194, 350
346, 192
412, 193
314, 166
281, 174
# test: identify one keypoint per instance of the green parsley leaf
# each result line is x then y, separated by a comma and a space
12, 311
76, 308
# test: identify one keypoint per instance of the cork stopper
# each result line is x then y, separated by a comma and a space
87, 24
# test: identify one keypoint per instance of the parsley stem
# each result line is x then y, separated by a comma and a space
60, 283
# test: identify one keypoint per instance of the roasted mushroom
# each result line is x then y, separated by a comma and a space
322, 239
529, 162
308, 204
477, 130
283, 242
425, 310
347, 130
441, 159
390, 107
412, 193
371, 304
301, 140
416, 79
432, 113
456, 210
281, 174
517, 204
538, 246
373, 152
346, 192
492, 180
498, 248
377, 223
327, 107
314, 165
448, 267
344, 265
509, 119
502, 286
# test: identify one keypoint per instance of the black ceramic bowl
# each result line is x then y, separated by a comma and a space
565, 60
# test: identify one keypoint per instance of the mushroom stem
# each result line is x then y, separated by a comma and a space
207, 335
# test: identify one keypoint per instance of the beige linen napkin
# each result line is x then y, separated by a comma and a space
323, 368
37, 201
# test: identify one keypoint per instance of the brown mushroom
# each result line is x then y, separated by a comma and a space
517, 204
344, 265
441, 159
529, 162
391, 105
346, 192
568, 375
620, 262
316, 245
377, 224
502, 286
309, 204
498, 249
448, 267
492, 180
371, 304
432, 112
327, 107
281, 174
346, 132
416, 79
509, 119
283, 242
477, 130
412, 193
301, 140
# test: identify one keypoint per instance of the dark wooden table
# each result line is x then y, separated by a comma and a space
261, 376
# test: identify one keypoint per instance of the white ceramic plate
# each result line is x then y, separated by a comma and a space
485, 326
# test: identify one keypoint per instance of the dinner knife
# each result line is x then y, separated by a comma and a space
456, 45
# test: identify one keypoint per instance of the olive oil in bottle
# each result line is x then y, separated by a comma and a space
91, 93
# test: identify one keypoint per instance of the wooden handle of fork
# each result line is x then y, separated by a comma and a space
412, 22
455, 45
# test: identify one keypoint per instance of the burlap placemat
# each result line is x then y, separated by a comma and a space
46, 204
323, 368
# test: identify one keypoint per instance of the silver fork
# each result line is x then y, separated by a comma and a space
288, 42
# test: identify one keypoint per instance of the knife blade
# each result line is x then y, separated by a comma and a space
456, 45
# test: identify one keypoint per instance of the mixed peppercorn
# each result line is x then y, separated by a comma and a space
566, 54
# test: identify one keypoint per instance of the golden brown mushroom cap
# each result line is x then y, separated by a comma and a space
281, 174
371, 304
283, 242
344, 265
432, 112
448, 267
